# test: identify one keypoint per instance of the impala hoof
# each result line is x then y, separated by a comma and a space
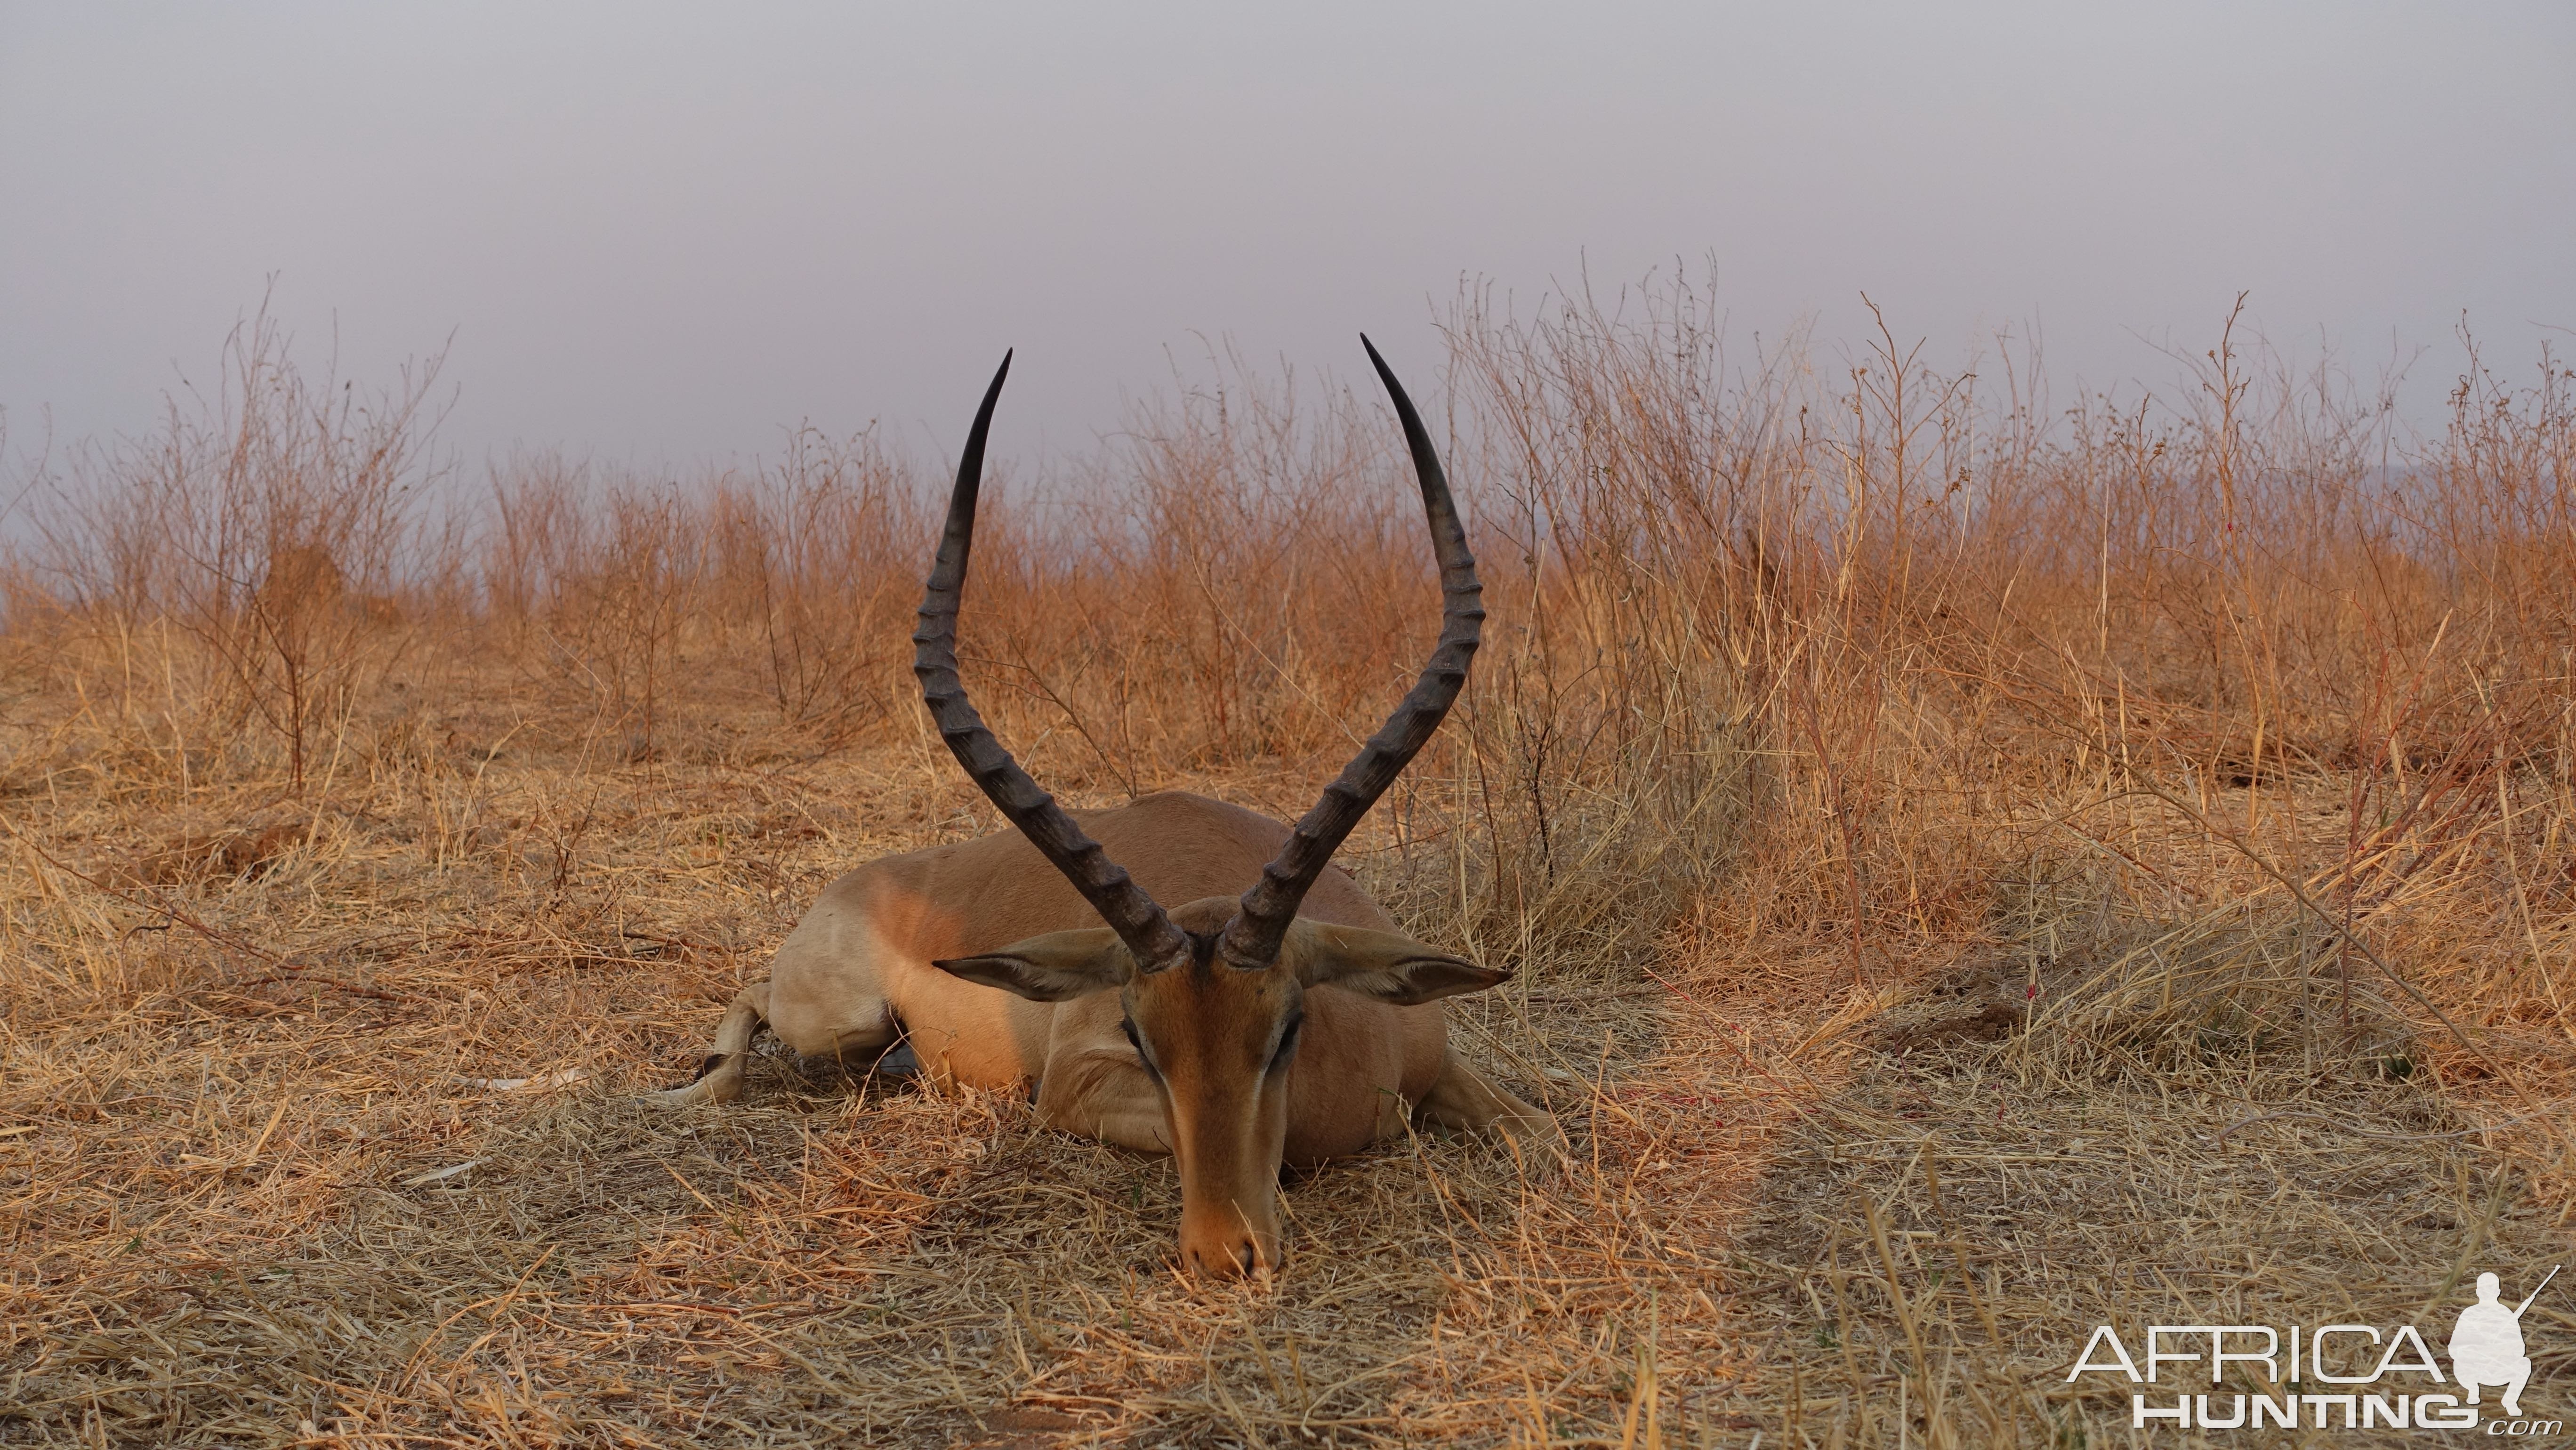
719, 1080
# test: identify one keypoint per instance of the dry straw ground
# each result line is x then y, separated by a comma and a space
1975, 870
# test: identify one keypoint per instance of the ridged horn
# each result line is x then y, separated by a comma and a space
1142, 924
1251, 940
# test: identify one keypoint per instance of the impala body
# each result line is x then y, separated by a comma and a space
1290, 1022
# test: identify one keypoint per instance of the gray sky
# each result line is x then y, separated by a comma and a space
664, 233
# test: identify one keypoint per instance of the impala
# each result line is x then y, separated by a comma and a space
1291, 1023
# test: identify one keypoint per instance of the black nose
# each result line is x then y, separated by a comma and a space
1242, 1257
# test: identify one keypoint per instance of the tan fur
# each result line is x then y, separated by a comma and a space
858, 970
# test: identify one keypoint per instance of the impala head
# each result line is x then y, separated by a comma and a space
1219, 1041
1214, 991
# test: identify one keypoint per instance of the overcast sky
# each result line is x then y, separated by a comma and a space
663, 234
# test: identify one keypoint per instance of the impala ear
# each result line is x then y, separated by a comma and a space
1056, 967
1382, 964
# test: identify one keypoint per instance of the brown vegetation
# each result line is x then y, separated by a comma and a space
1974, 872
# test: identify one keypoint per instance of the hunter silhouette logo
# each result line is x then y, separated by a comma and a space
2486, 1344
2332, 1376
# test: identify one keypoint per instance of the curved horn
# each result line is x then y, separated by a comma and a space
1140, 923
1252, 938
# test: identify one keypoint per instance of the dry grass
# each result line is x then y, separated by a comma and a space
1971, 877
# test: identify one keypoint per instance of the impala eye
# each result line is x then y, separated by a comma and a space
1287, 1043
1128, 1026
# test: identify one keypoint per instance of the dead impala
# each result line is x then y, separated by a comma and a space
1292, 1024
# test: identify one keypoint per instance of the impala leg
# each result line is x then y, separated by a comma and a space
1105, 1096
1463, 1101
720, 1076
1394, 1115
